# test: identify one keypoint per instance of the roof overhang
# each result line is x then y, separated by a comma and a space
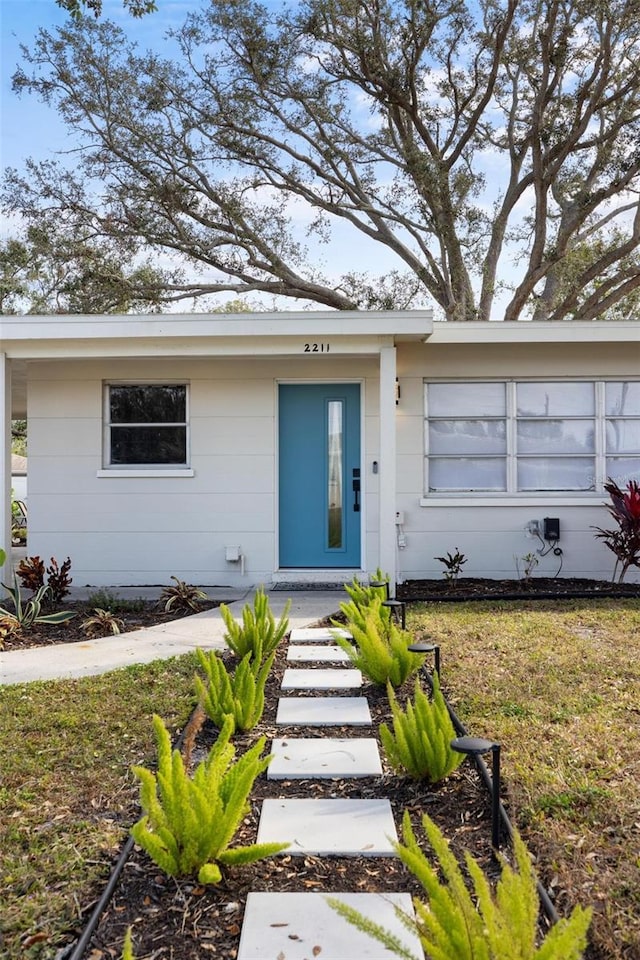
56, 337
529, 332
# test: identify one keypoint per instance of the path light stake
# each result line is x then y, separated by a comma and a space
475, 747
433, 648
380, 583
397, 607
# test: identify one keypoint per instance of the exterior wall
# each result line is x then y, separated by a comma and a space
142, 530
490, 531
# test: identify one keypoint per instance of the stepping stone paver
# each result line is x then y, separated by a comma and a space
328, 653
317, 634
319, 679
329, 827
297, 758
323, 711
302, 926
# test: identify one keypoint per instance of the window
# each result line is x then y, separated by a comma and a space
530, 437
146, 425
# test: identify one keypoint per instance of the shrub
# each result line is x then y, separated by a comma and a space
31, 572
59, 580
503, 926
624, 541
380, 650
189, 822
420, 743
362, 594
453, 563
258, 629
239, 695
25, 614
182, 597
101, 623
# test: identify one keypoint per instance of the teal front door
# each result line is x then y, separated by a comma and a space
319, 475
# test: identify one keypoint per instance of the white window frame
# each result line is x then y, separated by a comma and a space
141, 469
511, 495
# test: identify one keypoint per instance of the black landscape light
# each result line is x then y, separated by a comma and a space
475, 747
399, 609
378, 584
433, 648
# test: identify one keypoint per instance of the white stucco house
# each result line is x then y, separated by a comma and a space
314, 446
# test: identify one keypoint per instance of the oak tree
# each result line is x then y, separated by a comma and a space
489, 146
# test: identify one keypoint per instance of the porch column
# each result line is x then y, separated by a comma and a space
5, 463
387, 518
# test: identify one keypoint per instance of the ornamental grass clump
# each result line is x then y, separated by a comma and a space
379, 649
189, 822
238, 694
258, 629
477, 923
420, 743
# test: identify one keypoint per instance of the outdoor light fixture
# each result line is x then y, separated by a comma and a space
475, 747
397, 607
380, 583
428, 648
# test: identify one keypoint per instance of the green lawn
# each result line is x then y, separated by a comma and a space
558, 685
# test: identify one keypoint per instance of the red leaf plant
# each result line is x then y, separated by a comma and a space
624, 541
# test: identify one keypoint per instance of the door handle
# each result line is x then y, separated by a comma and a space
356, 489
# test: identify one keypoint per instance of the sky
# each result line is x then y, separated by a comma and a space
31, 129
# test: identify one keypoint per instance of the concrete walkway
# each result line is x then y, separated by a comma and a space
205, 630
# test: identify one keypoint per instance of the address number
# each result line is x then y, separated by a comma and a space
316, 348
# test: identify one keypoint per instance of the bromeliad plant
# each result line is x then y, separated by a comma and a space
379, 648
183, 597
189, 822
420, 743
239, 695
258, 630
624, 541
502, 926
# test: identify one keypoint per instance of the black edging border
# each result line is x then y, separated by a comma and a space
76, 950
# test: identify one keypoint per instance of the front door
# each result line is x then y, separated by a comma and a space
319, 466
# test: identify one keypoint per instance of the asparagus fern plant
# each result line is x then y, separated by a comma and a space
476, 924
239, 694
258, 627
380, 649
420, 742
189, 822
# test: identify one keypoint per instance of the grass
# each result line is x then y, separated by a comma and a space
557, 685
67, 796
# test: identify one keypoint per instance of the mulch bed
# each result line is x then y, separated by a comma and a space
182, 920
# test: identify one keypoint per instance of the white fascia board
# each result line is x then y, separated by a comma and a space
524, 332
192, 334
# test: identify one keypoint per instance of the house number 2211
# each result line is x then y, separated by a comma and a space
316, 348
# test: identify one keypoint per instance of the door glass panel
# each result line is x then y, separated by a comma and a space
335, 474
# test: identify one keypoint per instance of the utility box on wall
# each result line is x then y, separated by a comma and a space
551, 529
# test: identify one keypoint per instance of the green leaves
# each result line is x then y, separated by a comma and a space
502, 926
380, 650
239, 695
25, 614
189, 822
420, 742
258, 634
